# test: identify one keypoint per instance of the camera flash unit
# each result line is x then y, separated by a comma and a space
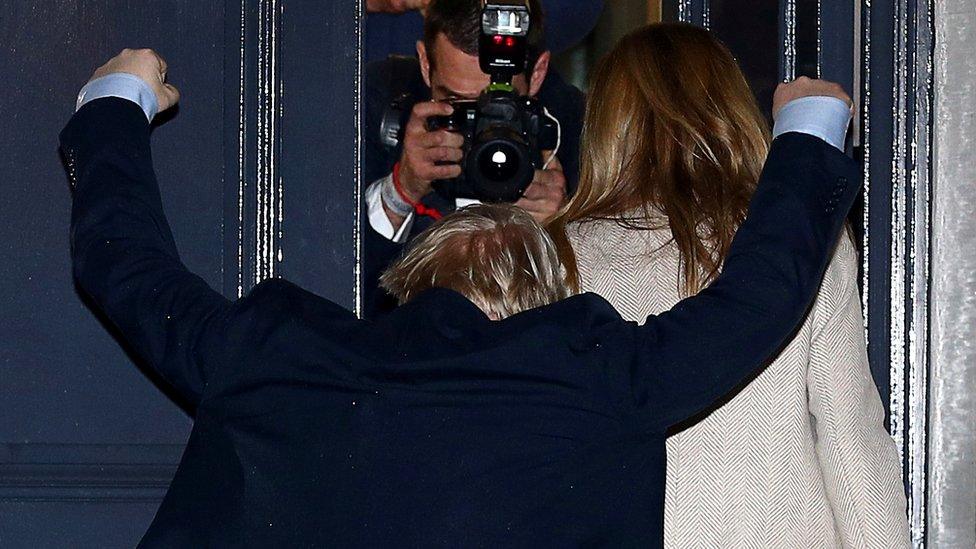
502, 47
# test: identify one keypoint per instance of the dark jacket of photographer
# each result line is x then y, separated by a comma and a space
388, 79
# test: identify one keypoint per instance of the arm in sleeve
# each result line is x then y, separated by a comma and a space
123, 253
378, 220
707, 345
857, 455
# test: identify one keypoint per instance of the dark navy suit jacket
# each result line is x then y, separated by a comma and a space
433, 426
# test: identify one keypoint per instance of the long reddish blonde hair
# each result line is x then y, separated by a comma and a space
671, 128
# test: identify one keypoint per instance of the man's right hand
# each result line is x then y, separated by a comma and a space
147, 65
425, 151
806, 87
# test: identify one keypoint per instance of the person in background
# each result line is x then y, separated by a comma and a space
392, 26
399, 200
673, 147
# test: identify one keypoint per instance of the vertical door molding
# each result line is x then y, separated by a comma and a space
357, 232
269, 199
259, 198
787, 37
897, 129
293, 117
696, 12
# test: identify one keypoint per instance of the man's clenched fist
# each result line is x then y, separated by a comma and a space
806, 87
147, 65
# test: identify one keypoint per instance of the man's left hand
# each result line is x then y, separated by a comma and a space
547, 192
807, 87
147, 65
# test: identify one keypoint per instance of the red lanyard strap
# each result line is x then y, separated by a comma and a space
418, 206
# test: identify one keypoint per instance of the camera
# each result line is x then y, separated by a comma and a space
504, 133
503, 136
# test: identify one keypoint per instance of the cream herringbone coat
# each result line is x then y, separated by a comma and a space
800, 458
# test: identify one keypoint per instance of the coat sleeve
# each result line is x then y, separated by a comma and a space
123, 253
708, 345
857, 455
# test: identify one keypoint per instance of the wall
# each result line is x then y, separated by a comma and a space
952, 459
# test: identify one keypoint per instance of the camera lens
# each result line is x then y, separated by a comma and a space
499, 165
499, 162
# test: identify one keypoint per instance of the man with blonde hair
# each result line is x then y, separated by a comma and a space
434, 426
497, 256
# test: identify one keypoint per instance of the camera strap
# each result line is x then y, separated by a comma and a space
417, 205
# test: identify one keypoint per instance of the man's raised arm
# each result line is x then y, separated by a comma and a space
122, 250
707, 345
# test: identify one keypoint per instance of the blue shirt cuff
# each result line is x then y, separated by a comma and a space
124, 85
819, 116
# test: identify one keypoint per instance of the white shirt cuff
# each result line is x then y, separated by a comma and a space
378, 219
123, 85
463, 202
820, 116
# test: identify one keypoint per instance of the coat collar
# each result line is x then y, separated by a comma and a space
440, 322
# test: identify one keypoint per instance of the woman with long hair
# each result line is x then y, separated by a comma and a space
673, 144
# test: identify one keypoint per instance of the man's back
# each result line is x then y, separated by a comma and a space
542, 429
318, 428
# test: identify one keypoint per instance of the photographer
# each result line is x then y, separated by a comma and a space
401, 199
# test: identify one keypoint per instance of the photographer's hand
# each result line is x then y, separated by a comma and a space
547, 192
424, 153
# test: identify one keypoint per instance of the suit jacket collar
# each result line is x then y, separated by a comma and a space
440, 323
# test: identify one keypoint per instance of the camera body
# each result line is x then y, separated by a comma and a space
504, 133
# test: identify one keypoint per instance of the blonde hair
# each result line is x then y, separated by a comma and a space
495, 255
671, 128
